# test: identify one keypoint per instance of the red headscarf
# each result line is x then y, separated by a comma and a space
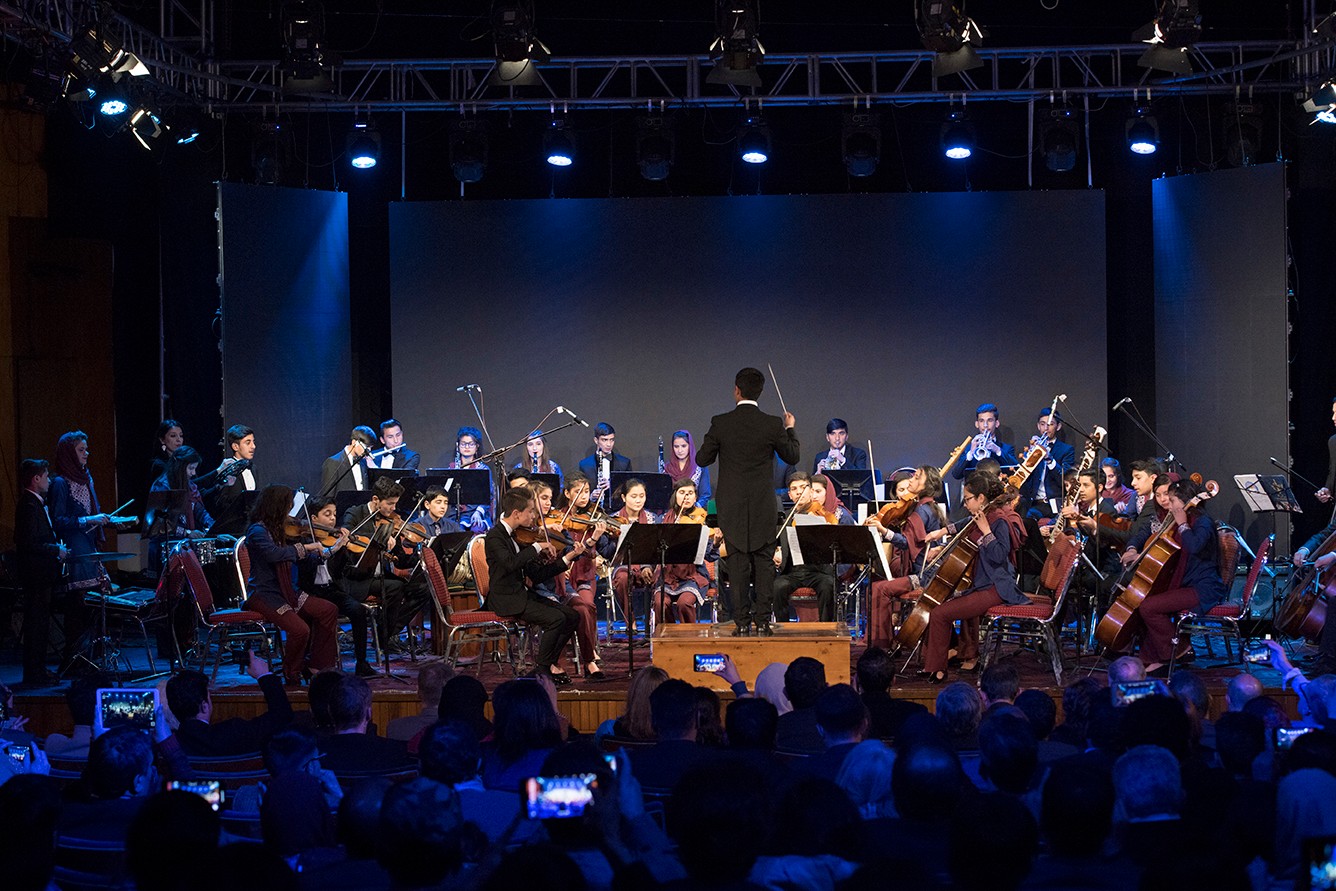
67, 459
832, 498
670, 463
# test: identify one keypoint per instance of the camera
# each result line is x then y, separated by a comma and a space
210, 790
559, 798
1283, 737
1130, 691
132, 706
712, 662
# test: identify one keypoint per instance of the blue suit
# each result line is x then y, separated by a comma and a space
1061, 458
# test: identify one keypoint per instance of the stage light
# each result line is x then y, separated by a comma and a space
754, 141
656, 147
860, 143
113, 106
363, 145
1175, 28
517, 47
145, 124
304, 55
95, 52
558, 144
468, 149
957, 136
947, 31
736, 49
1322, 103
1059, 138
1143, 132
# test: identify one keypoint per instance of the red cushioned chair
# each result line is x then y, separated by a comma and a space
1041, 620
1222, 620
458, 627
230, 624
804, 604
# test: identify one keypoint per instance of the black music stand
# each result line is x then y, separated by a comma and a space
856, 486
1267, 494
842, 544
553, 481
348, 499
473, 486
404, 476
645, 543
658, 489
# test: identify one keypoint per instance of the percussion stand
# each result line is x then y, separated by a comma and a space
101, 652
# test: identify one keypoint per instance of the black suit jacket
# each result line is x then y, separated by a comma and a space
405, 459
363, 752
239, 736
1063, 457
745, 440
38, 549
333, 468
590, 468
229, 507
512, 571
854, 458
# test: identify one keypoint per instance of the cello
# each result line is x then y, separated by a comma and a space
1304, 611
1151, 574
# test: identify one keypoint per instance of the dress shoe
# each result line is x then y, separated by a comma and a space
560, 680
763, 629
937, 678
364, 670
595, 675
741, 631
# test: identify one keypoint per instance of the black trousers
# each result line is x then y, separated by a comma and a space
745, 571
388, 589
819, 578
558, 623
36, 629
351, 607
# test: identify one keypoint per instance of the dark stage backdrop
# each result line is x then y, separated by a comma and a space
899, 313
1220, 329
286, 353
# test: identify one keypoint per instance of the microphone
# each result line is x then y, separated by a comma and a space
566, 411
1121, 402
1278, 464
467, 387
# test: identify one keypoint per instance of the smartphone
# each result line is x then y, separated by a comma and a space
20, 756
559, 798
210, 790
132, 706
1130, 691
1257, 652
1320, 855
712, 662
611, 760
1283, 737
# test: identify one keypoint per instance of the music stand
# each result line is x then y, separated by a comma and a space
401, 475
473, 486
658, 489
855, 486
553, 481
1267, 494
348, 499
858, 545
644, 543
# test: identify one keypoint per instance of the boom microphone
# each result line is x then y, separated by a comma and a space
1121, 402
566, 411
467, 387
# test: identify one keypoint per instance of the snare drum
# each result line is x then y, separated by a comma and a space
206, 549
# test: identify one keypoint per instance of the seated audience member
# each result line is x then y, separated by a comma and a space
1040, 710
1148, 793
350, 748
1126, 670
770, 686
1075, 818
1269, 709
865, 776
709, 720
927, 786
291, 750
421, 835
357, 824
634, 722
804, 680
841, 719
1158, 721
1078, 699
463, 699
29, 813
251, 866
81, 700
711, 796
674, 716
538, 864
1242, 688
431, 680
960, 709
173, 836
1239, 739
317, 697
750, 727
296, 821
1008, 753
992, 846
1189, 689
526, 729
1305, 808
875, 673
189, 699
999, 684
449, 753
119, 777
815, 843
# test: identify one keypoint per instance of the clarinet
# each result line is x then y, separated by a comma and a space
662, 466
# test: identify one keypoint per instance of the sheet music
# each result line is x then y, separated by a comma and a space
702, 546
1253, 492
795, 552
880, 552
298, 499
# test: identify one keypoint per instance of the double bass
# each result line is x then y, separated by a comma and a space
1304, 611
1154, 569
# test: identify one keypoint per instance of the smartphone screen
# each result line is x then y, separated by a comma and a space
210, 790
709, 661
558, 798
127, 706
19, 754
1130, 691
1321, 858
1284, 737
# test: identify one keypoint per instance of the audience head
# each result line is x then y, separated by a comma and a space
636, 720
999, 683
420, 843
804, 680
525, 719
1189, 689
464, 698
1239, 739
449, 753
1077, 700
672, 708
1314, 749
251, 866
751, 724
709, 726
1040, 710
358, 819
1147, 783
876, 671
29, 810
1158, 721
169, 839
1104, 728
120, 762
841, 716
81, 697
350, 704
1008, 753
290, 750
574, 759
865, 776
705, 800
1243, 687
1076, 811
1269, 710
770, 686
431, 680
992, 845
318, 695
294, 815
1126, 669
927, 783
188, 695
817, 819
959, 708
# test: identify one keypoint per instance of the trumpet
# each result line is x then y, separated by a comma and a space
981, 446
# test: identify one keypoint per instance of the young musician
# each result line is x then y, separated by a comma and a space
604, 458
77, 518
1000, 533
1326, 655
188, 515
685, 584
841, 455
682, 465
1044, 487
638, 575
467, 442
812, 574
38, 556
985, 444
1123, 497
537, 460
344, 471
170, 438
824, 493
909, 544
396, 454
322, 577
1196, 585
400, 600
582, 579
229, 506
579, 599
1324, 494
433, 515
274, 593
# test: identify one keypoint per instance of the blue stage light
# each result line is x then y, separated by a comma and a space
113, 106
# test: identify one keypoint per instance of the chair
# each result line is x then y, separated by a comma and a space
804, 603
1222, 620
230, 624
84, 863
461, 627
1040, 622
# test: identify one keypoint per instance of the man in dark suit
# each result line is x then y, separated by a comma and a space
876, 672
985, 445
350, 749
514, 569
345, 471
230, 504
745, 441
672, 709
38, 555
1044, 487
604, 459
188, 698
842, 455
402, 458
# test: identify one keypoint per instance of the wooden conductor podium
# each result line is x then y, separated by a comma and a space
674, 647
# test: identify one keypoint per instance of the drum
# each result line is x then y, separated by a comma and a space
206, 549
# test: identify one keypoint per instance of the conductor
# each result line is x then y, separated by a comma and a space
745, 440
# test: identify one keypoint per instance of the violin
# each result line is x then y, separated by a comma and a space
297, 530
819, 510
527, 535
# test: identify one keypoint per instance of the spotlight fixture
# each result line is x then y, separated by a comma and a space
304, 56
1175, 28
1059, 138
656, 147
558, 146
363, 145
947, 31
1243, 133
113, 106
145, 124
95, 52
736, 49
957, 136
860, 142
754, 140
468, 149
517, 47
1143, 132
1322, 103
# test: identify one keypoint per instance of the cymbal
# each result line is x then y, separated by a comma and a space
102, 557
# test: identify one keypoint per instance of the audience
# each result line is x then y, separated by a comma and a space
999, 683
1078, 699
431, 680
188, 698
1075, 819
770, 686
1126, 670
675, 718
804, 680
841, 719
709, 718
1242, 688
1008, 752
635, 724
875, 673
526, 731
81, 700
1042, 713
29, 812
960, 709
450, 754
171, 838
865, 776
350, 748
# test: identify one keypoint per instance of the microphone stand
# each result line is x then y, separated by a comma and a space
1140, 423
334, 485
